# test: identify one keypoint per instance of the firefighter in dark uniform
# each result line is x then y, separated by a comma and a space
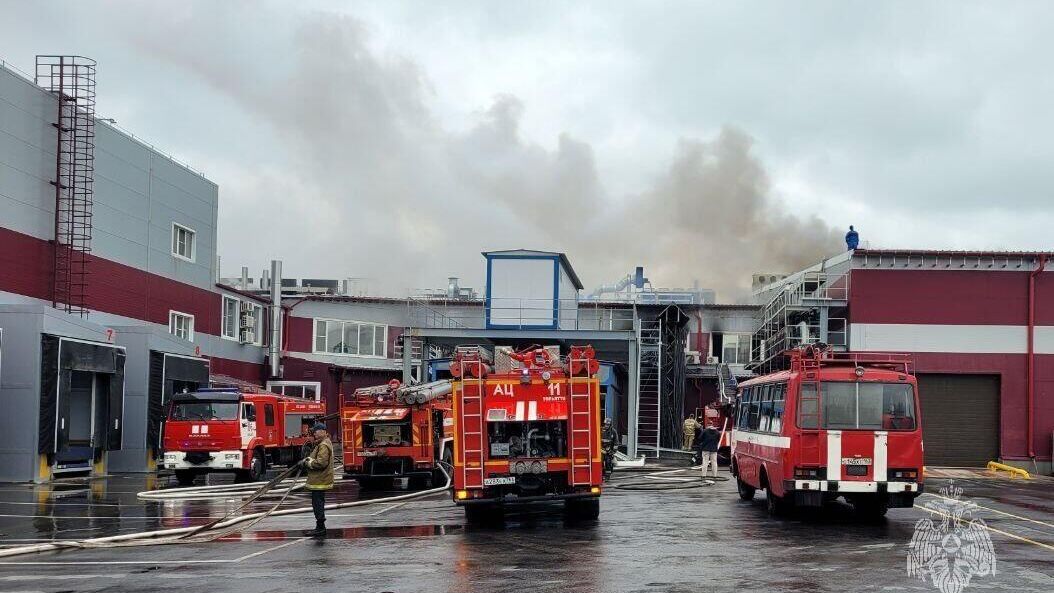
608, 441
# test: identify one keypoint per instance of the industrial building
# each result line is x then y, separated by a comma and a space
96, 332
111, 301
980, 327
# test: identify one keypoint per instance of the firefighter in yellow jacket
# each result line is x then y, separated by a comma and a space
319, 467
689, 432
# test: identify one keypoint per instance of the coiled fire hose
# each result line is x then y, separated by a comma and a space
220, 527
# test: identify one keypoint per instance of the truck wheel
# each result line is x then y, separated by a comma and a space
776, 505
256, 467
185, 477
483, 514
871, 508
582, 509
746, 491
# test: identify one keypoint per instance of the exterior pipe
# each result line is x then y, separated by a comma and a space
275, 345
1031, 359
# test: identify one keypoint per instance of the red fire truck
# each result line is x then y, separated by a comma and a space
396, 431
834, 425
530, 434
225, 430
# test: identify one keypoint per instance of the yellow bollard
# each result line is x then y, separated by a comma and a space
1013, 471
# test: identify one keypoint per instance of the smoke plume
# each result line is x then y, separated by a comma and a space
367, 182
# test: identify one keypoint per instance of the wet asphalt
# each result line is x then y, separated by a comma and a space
693, 539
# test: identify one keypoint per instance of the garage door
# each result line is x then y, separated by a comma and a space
960, 419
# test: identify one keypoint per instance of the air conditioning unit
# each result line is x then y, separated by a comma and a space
711, 360
247, 319
247, 336
692, 357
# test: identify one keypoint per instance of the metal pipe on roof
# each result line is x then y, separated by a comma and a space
275, 345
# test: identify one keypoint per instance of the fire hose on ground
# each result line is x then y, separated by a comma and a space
218, 528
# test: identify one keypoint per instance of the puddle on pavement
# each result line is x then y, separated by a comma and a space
351, 533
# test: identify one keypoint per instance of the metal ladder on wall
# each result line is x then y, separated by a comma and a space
581, 389
649, 387
470, 414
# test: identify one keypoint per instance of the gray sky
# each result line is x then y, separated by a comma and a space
701, 140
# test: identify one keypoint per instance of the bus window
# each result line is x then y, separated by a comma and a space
871, 406
744, 408
755, 407
778, 399
807, 406
839, 405
765, 418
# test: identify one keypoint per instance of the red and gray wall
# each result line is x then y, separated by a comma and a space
967, 325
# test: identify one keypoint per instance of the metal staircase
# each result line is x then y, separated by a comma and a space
726, 383
649, 379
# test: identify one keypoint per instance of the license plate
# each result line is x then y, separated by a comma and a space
499, 481
856, 461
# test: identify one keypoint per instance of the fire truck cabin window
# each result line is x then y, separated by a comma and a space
869, 406
268, 415
387, 434
204, 411
535, 438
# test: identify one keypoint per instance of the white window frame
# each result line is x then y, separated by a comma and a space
172, 324
316, 385
314, 337
237, 318
739, 336
193, 235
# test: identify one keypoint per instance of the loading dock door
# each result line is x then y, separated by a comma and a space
169, 374
960, 419
69, 369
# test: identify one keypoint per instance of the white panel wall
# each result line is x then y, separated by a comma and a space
975, 339
568, 301
139, 192
522, 291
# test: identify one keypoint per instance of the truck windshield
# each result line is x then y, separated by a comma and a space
869, 406
204, 410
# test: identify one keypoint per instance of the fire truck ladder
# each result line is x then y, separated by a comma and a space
471, 415
582, 421
649, 387
810, 410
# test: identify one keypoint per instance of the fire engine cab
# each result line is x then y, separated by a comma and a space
833, 425
529, 434
396, 432
226, 430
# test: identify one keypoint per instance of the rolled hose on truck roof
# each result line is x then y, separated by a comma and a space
218, 528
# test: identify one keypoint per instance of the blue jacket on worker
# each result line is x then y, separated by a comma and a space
852, 239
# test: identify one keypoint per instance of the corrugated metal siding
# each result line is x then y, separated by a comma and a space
960, 419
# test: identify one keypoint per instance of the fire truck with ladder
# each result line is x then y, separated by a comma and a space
833, 425
395, 433
226, 430
531, 434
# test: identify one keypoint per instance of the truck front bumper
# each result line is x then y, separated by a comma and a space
202, 460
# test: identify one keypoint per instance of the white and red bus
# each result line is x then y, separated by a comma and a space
833, 425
